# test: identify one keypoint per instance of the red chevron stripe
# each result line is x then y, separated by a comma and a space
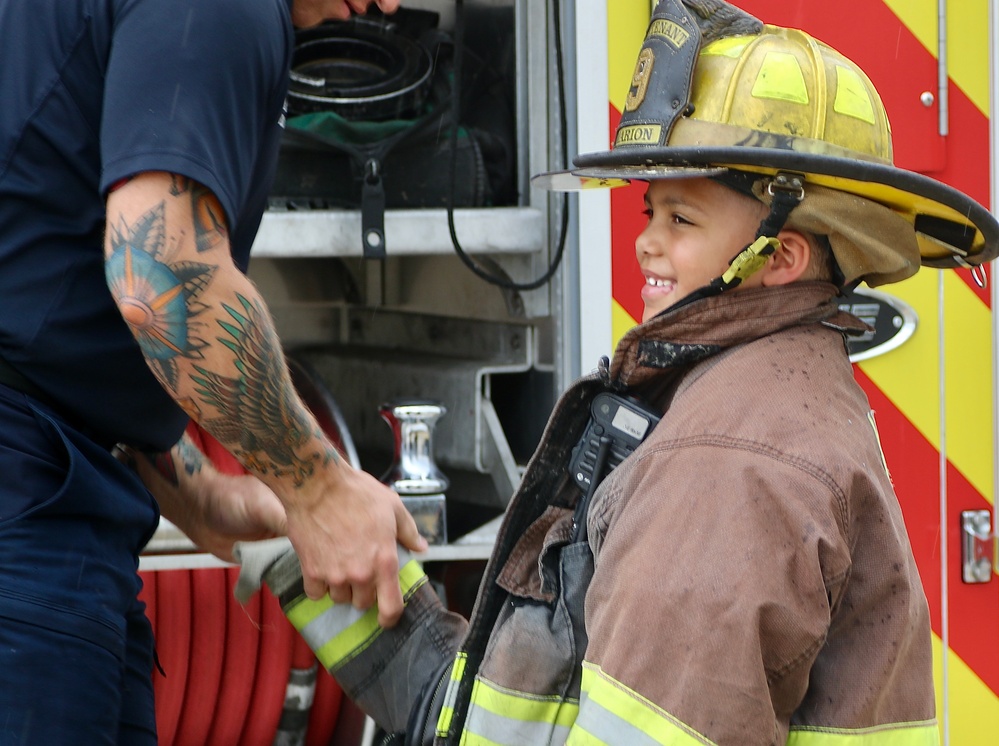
914, 465
628, 220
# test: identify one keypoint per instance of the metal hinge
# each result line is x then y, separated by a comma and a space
978, 546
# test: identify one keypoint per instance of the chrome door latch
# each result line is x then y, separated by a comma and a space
978, 546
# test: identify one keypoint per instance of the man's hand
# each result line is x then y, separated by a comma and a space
306, 13
346, 542
214, 510
237, 509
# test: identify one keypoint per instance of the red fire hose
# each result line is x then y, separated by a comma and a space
227, 666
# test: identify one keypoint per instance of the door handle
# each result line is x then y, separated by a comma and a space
978, 546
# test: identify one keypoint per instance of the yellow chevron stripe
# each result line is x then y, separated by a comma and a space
909, 375
627, 22
969, 394
621, 322
967, 37
968, 59
974, 708
920, 17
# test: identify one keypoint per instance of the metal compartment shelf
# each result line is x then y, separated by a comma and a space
337, 233
172, 550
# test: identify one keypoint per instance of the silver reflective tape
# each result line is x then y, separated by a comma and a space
329, 624
301, 690
510, 732
605, 726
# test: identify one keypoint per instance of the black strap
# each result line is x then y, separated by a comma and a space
13, 378
370, 156
373, 211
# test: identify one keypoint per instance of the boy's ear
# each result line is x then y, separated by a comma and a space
790, 261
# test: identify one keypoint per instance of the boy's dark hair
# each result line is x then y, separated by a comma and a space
823, 265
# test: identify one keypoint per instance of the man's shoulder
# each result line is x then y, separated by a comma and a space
230, 23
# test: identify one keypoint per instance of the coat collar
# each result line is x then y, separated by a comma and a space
681, 336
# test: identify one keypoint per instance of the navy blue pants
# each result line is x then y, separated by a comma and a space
76, 650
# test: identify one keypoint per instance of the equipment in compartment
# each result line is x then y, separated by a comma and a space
413, 473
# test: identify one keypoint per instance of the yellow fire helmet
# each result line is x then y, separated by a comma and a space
780, 115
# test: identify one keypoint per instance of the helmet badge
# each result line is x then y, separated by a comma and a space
662, 77
640, 80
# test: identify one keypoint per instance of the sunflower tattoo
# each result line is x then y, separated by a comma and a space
158, 299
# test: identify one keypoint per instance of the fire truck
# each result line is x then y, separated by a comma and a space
488, 306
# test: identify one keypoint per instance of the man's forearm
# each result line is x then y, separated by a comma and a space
213, 509
204, 330
206, 334
168, 477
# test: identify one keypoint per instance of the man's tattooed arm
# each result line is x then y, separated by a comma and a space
212, 509
208, 339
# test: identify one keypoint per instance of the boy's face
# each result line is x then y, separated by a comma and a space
696, 227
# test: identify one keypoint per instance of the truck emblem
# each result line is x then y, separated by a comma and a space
893, 321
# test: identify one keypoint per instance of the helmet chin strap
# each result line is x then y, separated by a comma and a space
786, 191
747, 262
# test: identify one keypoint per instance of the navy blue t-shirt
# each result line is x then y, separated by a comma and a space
93, 91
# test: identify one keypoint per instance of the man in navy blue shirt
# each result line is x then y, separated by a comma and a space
138, 140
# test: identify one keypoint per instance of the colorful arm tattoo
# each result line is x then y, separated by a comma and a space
158, 300
260, 420
209, 220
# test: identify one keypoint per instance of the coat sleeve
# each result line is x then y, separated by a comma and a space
711, 597
384, 671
